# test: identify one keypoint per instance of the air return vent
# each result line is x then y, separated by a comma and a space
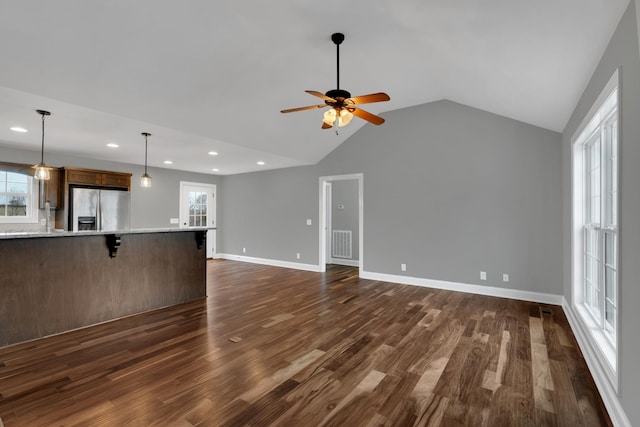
341, 247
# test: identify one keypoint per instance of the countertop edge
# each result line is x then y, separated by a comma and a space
44, 234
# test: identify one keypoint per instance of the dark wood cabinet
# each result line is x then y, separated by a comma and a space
74, 176
49, 191
116, 180
97, 178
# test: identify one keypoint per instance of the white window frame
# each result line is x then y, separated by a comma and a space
32, 204
603, 339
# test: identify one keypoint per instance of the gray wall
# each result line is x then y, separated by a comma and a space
345, 193
622, 51
449, 190
150, 207
266, 213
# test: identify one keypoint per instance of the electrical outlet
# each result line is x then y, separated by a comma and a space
505, 277
403, 267
174, 220
244, 250
298, 255
43, 221
308, 222
483, 275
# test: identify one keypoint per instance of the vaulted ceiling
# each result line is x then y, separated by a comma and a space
205, 75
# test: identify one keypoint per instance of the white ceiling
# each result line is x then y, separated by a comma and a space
205, 75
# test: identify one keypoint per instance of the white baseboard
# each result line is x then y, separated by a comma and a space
342, 261
465, 287
415, 281
273, 262
606, 389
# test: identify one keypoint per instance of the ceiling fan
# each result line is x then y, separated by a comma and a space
343, 106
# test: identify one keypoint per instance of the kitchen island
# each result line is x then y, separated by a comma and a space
53, 282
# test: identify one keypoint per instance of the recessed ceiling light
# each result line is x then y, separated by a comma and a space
18, 129
215, 170
213, 153
112, 145
261, 163
168, 162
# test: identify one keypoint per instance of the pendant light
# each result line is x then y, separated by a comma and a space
42, 171
145, 181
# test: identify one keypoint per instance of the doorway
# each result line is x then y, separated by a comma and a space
327, 251
198, 209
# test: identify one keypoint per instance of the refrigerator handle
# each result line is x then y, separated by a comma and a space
99, 214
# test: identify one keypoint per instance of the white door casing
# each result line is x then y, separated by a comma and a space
325, 190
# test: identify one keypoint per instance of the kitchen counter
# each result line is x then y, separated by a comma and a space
59, 281
29, 234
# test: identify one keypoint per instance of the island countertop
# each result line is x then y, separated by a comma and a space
28, 234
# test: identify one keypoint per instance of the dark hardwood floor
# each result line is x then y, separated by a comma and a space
273, 346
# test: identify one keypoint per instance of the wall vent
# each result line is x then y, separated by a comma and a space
341, 244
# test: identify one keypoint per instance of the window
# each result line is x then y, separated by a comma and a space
17, 198
595, 225
600, 225
197, 209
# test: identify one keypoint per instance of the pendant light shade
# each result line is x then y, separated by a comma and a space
145, 181
42, 171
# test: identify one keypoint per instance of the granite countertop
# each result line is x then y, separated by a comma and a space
27, 234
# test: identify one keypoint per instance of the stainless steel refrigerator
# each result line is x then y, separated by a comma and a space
98, 209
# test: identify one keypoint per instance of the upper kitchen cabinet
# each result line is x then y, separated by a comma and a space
97, 178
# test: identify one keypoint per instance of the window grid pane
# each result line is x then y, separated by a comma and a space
611, 180
592, 178
611, 280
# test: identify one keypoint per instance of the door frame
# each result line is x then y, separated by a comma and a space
324, 221
211, 234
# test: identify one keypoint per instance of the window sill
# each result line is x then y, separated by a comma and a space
18, 221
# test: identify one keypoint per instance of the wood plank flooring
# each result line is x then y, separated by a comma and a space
279, 347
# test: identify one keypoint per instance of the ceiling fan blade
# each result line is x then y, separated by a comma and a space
365, 115
326, 126
310, 107
320, 95
374, 97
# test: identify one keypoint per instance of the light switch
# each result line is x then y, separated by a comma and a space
308, 222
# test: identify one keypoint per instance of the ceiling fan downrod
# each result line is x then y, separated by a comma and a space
337, 38
336, 93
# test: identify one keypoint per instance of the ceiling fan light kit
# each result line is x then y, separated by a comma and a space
343, 106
